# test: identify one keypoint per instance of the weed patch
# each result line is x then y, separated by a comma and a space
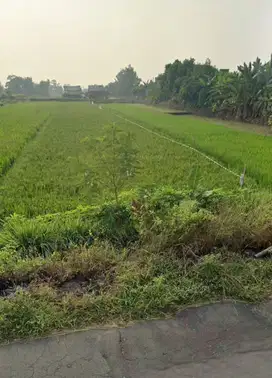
143, 286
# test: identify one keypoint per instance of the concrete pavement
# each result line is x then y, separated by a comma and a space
219, 340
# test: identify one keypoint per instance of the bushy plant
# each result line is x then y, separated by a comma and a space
162, 198
42, 235
179, 227
214, 199
38, 236
115, 224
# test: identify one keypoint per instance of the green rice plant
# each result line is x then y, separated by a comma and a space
34, 237
53, 172
233, 148
18, 125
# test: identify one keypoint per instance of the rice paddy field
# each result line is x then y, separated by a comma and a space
46, 150
72, 255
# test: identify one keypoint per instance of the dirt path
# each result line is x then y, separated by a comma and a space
220, 340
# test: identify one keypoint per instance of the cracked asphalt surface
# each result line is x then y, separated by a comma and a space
219, 340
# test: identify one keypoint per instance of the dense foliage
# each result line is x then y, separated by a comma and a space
125, 83
25, 86
245, 94
120, 263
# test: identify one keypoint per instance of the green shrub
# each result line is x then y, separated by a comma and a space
164, 217
93, 263
161, 199
43, 235
181, 226
234, 277
206, 219
115, 224
244, 223
214, 199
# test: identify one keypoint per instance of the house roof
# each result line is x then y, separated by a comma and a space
72, 88
96, 88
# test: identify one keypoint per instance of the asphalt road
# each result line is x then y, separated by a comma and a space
220, 340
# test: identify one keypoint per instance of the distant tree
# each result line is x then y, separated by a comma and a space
55, 89
141, 91
125, 83
28, 86
153, 91
15, 84
245, 94
20, 85
43, 88
187, 82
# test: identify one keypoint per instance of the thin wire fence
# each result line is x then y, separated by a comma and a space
241, 177
180, 144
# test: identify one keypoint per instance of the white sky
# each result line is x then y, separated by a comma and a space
88, 41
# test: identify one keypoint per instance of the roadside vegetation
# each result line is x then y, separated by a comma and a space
144, 257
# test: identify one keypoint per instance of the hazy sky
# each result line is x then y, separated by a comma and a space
88, 41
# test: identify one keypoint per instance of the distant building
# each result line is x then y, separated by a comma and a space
97, 93
73, 91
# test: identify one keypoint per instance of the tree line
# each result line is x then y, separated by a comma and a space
244, 94
25, 86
